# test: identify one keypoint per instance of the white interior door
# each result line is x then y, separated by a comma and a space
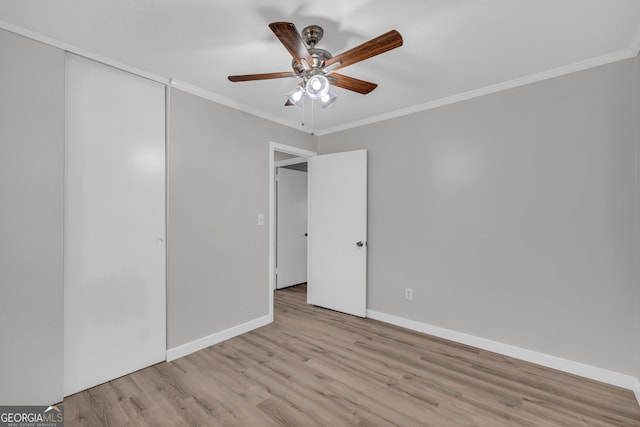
337, 269
291, 227
114, 252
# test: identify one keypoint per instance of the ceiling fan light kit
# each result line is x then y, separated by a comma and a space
316, 67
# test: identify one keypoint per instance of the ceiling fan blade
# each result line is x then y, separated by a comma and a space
373, 47
350, 83
263, 76
291, 39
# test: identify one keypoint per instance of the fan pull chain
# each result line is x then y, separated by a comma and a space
312, 117
304, 109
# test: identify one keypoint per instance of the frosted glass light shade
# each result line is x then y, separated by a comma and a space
328, 100
317, 86
296, 96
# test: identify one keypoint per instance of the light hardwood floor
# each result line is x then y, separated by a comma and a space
318, 367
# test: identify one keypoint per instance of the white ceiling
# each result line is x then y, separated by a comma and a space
453, 49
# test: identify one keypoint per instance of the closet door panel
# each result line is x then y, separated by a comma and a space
114, 224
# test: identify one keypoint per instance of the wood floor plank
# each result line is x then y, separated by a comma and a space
317, 367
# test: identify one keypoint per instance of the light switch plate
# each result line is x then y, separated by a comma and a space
408, 294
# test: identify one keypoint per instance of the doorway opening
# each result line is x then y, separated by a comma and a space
291, 224
337, 228
289, 161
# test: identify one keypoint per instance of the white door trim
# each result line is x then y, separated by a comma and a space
289, 162
273, 147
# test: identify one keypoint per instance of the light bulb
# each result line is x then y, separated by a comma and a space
327, 100
295, 96
317, 86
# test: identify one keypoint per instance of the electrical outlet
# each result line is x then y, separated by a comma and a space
408, 293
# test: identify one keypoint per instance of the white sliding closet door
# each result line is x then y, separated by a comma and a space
114, 250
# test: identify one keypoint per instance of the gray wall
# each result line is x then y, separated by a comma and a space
31, 203
218, 184
512, 216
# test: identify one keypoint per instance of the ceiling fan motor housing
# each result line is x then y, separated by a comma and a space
312, 34
319, 57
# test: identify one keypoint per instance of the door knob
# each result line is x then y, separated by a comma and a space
360, 244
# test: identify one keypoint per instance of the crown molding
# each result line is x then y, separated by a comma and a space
186, 87
621, 55
631, 51
231, 103
511, 84
81, 52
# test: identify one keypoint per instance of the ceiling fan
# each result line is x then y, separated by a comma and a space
316, 67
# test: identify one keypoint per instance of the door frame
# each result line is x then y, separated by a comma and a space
287, 149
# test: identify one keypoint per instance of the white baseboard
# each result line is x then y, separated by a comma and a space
636, 389
204, 342
576, 368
